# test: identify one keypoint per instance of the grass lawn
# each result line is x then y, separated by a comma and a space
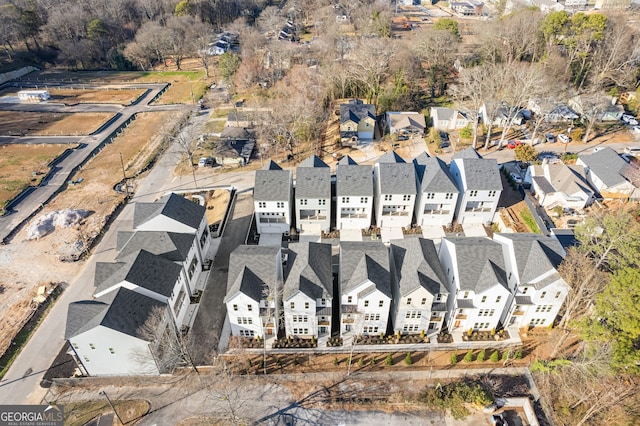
528, 219
214, 126
79, 413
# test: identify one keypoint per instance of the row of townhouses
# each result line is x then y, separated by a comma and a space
156, 274
393, 193
411, 287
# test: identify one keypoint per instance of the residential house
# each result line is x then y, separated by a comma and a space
181, 249
610, 174
561, 185
603, 107
357, 121
419, 287
174, 213
548, 6
365, 288
107, 335
467, 7
394, 183
481, 292
354, 195
148, 274
406, 122
313, 196
235, 146
534, 259
272, 199
559, 113
254, 284
308, 290
575, 4
437, 193
480, 185
447, 119
612, 4
502, 117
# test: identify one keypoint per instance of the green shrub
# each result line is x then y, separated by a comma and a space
481, 356
295, 360
360, 362
468, 357
372, 361
407, 359
454, 358
335, 361
505, 355
388, 360
518, 354
495, 356
455, 396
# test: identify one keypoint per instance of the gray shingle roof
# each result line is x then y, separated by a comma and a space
417, 265
271, 165
141, 268
309, 271
346, 161
433, 174
480, 263
272, 185
466, 153
397, 178
523, 300
313, 182
124, 311
542, 183
535, 255
607, 165
361, 261
170, 245
481, 174
356, 181
173, 206
355, 111
252, 270
569, 179
444, 113
313, 161
390, 157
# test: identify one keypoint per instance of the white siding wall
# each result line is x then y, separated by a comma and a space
478, 206
354, 212
239, 310
273, 216
412, 310
293, 316
395, 210
105, 352
442, 202
321, 206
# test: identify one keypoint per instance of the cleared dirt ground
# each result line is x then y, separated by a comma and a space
74, 96
51, 123
18, 163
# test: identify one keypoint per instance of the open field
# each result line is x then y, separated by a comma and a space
18, 163
79, 413
75, 96
51, 124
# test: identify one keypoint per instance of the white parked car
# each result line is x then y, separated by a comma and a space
629, 119
632, 150
516, 178
635, 129
564, 138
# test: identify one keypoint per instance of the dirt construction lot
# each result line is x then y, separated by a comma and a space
51, 123
72, 96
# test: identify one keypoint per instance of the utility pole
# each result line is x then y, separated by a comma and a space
103, 393
124, 175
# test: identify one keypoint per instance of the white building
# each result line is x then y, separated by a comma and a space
447, 119
475, 268
147, 274
174, 213
406, 122
107, 337
354, 195
561, 185
419, 287
480, 185
273, 199
533, 259
253, 286
394, 183
313, 196
34, 95
437, 193
308, 290
365, 288
610, 174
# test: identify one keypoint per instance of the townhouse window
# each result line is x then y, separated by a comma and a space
112, 351
484, 299
438, 297
381, 304
92, 346
249, 307
509, 275
558, 294
306, 305
262, 205
430, 195
349, 299
322, 202
408, 301
364, 200
466, 295
432, 325
366, 303
387, 197
303, 202
280, 205
323, 302
86, 359
498, 299
193, 266
424, 301
345, 199
543, 294
292, 305
235, 307
473, 193
525, 290
75, 345
492, 193
449, 196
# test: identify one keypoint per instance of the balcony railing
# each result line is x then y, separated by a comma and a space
477, 210
461, 317
348, 320
437, 211
313, 217
518, 312
324, 323
272, 220
354, 216
395, 213
435, 319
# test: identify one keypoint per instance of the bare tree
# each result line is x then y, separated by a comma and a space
370, 63
188, 143
438, 50
590, 106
